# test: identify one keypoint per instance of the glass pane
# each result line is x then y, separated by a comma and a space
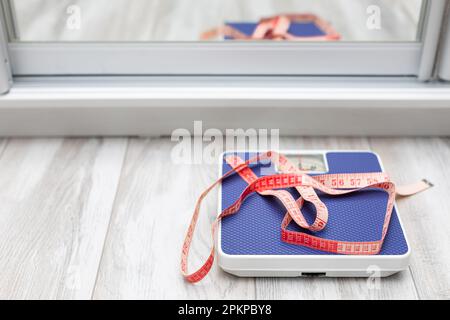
214, 20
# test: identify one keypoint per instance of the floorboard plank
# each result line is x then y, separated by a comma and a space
57, 198
3, 143
152, 211
426, 216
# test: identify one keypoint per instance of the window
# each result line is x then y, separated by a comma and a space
170, 37
186, 20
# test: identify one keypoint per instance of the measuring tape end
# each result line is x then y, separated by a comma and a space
430, 184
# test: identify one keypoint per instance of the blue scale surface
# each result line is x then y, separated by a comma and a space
256, 228
308, 29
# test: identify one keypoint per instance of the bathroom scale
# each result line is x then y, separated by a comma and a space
249, 242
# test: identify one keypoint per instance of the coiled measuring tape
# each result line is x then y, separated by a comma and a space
291, 177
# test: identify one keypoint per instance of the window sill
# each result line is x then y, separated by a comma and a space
157, 106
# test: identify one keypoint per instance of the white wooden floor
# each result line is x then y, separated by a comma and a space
90, 218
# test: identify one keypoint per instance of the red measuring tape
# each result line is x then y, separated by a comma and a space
292, 177
276, 28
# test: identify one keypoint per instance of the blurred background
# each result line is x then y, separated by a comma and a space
185, 20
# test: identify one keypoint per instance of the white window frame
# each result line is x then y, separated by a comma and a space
35, 103
319, 59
